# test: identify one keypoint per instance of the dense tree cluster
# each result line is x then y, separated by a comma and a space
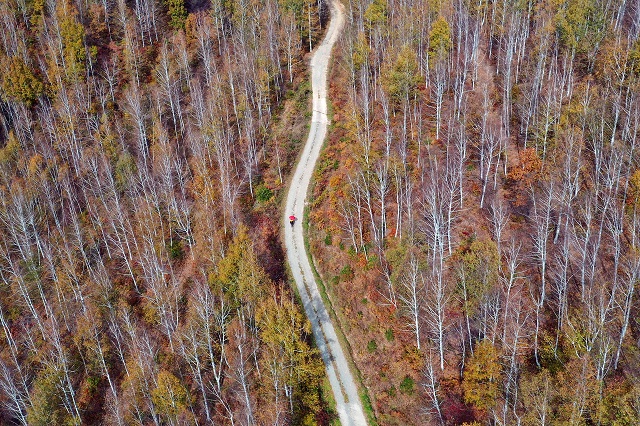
482, 180
136, 151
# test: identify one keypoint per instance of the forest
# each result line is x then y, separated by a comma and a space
476, 214
143, 147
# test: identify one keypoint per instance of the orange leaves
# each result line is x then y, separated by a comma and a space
634, 189
524, 174
529, 165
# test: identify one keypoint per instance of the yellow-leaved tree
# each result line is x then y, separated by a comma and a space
48, 399
376, 15
481, 379
402, 78
634, 189
477, 274
67, 58
292, 367
171, 399
19, 83
439, 41
239, 275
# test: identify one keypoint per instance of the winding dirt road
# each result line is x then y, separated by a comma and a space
344, 388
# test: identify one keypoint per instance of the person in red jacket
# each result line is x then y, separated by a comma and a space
292, 220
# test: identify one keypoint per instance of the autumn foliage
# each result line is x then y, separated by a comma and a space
481, 182
144, 147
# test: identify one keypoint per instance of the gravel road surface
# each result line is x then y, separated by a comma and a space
344, 388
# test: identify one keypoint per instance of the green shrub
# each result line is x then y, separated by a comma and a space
174, 247
407, 385
372, 346
346, 274
263, 194
391, 391
389, 335
92, 382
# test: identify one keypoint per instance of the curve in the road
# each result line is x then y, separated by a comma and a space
343, 385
